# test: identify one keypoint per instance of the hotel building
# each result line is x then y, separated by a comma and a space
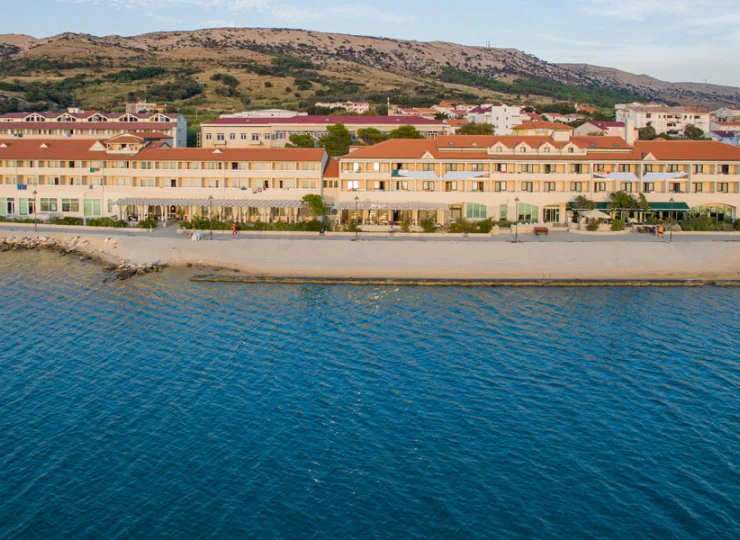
76, 124
275, 132
533, 178
128, 176
664, 119
526, 178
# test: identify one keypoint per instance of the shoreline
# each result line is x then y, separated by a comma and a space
453, 262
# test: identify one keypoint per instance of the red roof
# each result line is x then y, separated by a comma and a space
327, 120
115, 126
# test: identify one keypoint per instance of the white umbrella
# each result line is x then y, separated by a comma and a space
596, 214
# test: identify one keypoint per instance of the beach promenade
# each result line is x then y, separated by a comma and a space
562, 256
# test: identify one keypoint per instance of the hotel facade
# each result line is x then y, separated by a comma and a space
276, 132
524, 178
76, 124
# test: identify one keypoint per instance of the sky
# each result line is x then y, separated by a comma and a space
673, 40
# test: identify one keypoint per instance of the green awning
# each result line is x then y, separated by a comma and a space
669, 207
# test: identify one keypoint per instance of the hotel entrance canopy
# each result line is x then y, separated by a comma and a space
370, 205
225, 203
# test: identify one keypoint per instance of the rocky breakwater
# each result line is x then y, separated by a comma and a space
76, 246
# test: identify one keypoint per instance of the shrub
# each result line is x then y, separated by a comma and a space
736, 225
485, 226
504, 223
66, 221
351, 226
618, 225
148, 224
107, 222
428, 225
593, 226
406, 224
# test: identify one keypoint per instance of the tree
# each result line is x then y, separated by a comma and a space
301, 141
583, 203
622, 202
693, 132
476, 129
440, 116
371, 136
647, 133
406, 132
317, 205
642, 203
337, 140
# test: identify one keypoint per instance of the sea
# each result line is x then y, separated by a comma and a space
162, 408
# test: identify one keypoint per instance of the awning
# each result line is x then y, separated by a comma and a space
657, 176
416, 175
372, 205
668, 207
623, 176
224, 203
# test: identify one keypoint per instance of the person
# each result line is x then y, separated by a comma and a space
322, 230
391, 229
233, 229
661, 231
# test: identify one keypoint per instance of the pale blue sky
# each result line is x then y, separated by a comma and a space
676, 40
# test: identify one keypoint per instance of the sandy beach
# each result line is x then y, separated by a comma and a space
626, 258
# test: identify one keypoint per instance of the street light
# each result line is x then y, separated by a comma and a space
35, 222
357, 210
210, 213
516, 224
671, 232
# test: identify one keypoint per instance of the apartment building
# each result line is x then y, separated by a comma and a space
275, 132
76, 124
533, 178
609, 129
265, 113
726, 113
503, 117
665, 119
357, 107
129, 177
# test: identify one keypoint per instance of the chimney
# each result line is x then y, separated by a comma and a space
629, 130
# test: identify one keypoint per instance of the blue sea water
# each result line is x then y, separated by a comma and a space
160, 408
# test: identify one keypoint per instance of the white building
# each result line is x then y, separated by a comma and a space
726, 113
664, 119
265, 113
359, 107
503, 117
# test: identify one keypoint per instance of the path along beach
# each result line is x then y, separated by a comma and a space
561, 257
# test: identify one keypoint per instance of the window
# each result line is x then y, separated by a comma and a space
578, 168
219, 136
427, 167
308, 184
500, 186
723, 187
243, 136
503, 211
353, 184
599, 167
627, 187
623, 168
599, 186
546, 150
147, 182
675, 187
551, 214
146, 165
527, 212
724, 169
476, 211
672, 168
649, 187
698, 188
499, 167
499, 149
478, 186
92, 208
550, 186
427, 186
280, 135
191, 183
549, 169
527, 168
576, 186
402, 186
212, 182
70, 205
478, 167
96, 181
571, 150
650, 168
453, 167
255, 137
698, 169
528, 186
450, 186
48, 205
232, 136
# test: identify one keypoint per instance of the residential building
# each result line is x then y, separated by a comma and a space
727, 137
503, 117
664, 119
533, 178
456, 123
554, 117
421, 112
726, 113
275, 132
556, 130
141, 107
730, 125
610, 129
358, 107
265, 113
128, 176
76, 124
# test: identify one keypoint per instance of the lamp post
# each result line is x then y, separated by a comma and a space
516, 225
210, 213
671, 232
357, 210
35, 222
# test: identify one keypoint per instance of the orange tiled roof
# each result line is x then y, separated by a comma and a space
332, 168
542, 125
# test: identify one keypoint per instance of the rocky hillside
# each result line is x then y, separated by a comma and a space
332, 66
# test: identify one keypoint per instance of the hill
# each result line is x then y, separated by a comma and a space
228, 69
